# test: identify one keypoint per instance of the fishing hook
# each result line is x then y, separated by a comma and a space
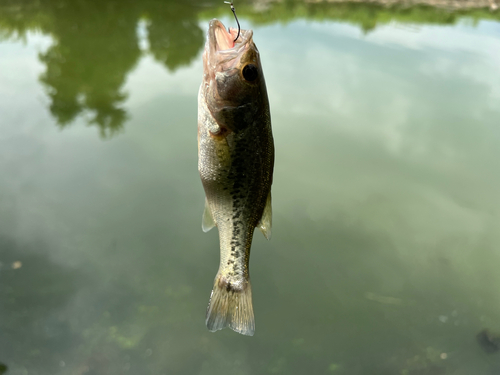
236, 18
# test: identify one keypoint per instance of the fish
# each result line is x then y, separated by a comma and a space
235, 162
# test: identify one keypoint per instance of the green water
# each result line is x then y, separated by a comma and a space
385, 253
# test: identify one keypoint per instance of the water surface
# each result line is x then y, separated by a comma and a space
384, 257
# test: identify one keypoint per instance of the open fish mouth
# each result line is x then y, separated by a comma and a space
222, 44
223, 39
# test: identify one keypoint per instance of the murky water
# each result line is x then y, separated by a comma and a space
385, 253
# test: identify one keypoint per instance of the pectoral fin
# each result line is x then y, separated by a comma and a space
207, 222
266, 220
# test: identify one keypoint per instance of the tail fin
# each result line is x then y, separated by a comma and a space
231, 306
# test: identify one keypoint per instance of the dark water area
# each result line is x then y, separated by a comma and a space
385, 252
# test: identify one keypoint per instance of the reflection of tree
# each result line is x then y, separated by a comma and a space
174, 34
174, 43
87, 66
96, 46
365, 14
17, 17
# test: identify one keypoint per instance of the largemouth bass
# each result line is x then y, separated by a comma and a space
235, 161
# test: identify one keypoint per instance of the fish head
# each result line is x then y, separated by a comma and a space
233, 81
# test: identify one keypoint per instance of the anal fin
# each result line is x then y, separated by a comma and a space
207, 222
265, 222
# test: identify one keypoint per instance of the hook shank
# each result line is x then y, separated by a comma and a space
236, 18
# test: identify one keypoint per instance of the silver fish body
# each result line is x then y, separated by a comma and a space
235, 161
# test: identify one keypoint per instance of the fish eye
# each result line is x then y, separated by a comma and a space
250, 72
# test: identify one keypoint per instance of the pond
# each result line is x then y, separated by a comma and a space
386, 214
